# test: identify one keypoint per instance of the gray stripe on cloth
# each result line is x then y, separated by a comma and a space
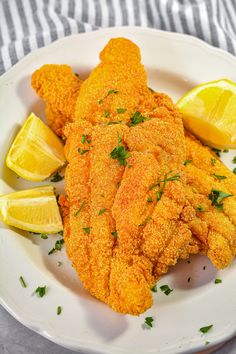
213, 28
39, 28
149, 14
8, 17
136, 13
24, 25
111, 12
62, 18
162, 21
124, 12
197, 19
71, 8
98, 13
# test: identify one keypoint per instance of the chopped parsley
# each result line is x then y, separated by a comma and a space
216, 198
225, 150
149, 200
218, 176
149, 321
200, 208
234, 170
57, 247
59, 309
150, 89
80, 208
114, 233
107, 114
44, 236
56, 178
41, 291
136, 119
101, 211
61, 233
111, 123
218, 281
82, 151
234, 159
110, 92
213, 162
165, 289
120, 153
154, 289
216, 151
166, 179
87, 230
186, 162
207, 342
121, 110
23, 283
85, 139
205, 329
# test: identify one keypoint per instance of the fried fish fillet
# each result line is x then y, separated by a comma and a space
125, 224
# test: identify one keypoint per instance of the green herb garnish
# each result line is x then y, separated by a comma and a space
207, 342
148, 321
186, 162
165, 289
87, 230
56, 178
57, 247
149, 200
136, 119
111, 123
218, 281
61, 233
200, 208
82, 151
218, 176
234, 170
216, 151
166, 179
108, 94
216, 198
107, 114
225, 150
80, 208
101, 211
120, 153
205, 329
41, 291
213, 162
114, 233
121, 110
234, 159
59, 309
44, 236
23, 283
154, 288
85, 139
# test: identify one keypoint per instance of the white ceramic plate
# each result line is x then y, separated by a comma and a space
174, 63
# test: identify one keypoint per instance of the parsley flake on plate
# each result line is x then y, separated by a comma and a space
216, 151
56, 178
154, 289
59, 310
44, 236
41, 291
166, 289
218, 281
216, 198
57, 247
22, 281
148, 321
205, 329
234, 159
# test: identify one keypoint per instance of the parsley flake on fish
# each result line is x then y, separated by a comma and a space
80, 208
166, 289
136, 119
216, 198
101, 211
86, 230
85, 139
149, 321
149, 199
23, 283
205, 329
56, 178
213, 162
216, 151
154, 289
82, 151
107, 114
200, 208
121, 110
120, 153
110, 92
218, 176
114, 233
41, 291
166, 179
186, 162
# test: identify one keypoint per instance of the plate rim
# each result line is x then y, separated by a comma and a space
38, 326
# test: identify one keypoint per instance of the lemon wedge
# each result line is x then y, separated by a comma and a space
33, 210
36, 151
209, 111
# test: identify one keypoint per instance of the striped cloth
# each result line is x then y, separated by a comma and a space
29, 24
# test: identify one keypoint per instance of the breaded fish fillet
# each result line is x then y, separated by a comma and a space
132, 208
